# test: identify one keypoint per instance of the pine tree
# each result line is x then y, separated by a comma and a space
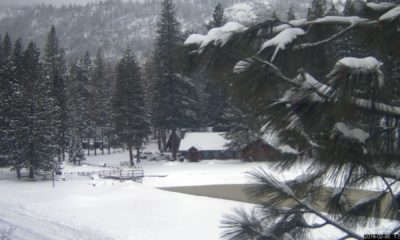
218, 19
76, 108
5, 100
349, 8
98, 98
17, 76
55, 67
108, 90
274, 16
290, 15
174, 93
40, 123
131, 120
332, 11
86, 66
317, 9
342, 118
79, 92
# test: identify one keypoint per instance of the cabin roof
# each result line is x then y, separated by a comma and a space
204, 141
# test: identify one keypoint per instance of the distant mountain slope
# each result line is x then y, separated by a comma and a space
114, 24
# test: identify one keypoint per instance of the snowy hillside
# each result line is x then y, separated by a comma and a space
114, 25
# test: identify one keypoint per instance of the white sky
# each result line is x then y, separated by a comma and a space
8, 3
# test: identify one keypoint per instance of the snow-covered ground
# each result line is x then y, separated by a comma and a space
80, 208
76, 209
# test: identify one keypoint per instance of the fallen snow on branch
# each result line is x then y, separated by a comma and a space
242, 66
281, 40
365, 201
219, 36
339, 19
195, 39
309, 82
293, 23
380, 107
381, 6
274, 141
391, 15
351, 133
363, 65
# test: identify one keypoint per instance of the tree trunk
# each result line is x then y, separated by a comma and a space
63, 145
18, 170
138, 155
102, 141
158, 133
95, 141
164, 139
88, 147
31, 173
174, 147
131, 156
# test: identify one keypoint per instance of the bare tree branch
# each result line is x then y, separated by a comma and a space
325, 41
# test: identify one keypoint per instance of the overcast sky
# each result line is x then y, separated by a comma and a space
8, 3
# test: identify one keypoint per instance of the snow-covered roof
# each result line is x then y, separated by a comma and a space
204, 141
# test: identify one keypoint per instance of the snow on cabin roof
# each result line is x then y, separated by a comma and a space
204, 141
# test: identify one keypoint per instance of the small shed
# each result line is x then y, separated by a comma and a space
197, 146
267, 148
259, 150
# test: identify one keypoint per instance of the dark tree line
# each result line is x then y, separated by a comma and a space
30, 115
89, 104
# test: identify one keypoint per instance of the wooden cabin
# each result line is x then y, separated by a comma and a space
196, 146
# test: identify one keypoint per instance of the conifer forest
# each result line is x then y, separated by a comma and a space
229, 119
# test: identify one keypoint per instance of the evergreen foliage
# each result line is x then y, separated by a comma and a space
274, 16
290, 15
54, 63
6, 95
317, 9
39, 127
342, 121
175, 97
218, 19
131, 119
